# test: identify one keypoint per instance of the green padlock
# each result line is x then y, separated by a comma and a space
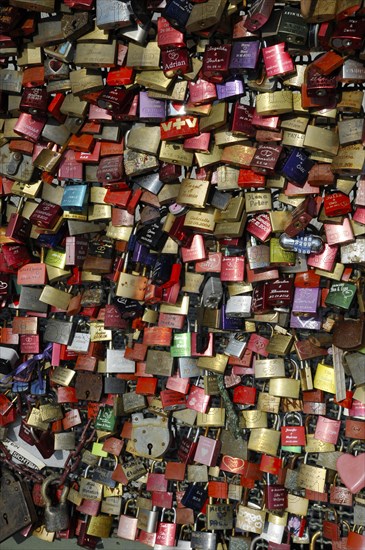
181, 345
341, 295
106, 419
279, 256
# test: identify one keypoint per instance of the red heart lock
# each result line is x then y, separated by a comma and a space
232, 464
351, 470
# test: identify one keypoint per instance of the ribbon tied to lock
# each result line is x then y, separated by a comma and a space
25, 369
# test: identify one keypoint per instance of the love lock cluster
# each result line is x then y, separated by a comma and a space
182, 336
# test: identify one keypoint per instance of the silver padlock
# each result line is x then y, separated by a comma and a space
147, 520
236, 345
258, 255
212, 292
56, 516
305, 244
150, 436
188, 367
239, 306
201, 540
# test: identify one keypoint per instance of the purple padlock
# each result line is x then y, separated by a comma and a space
230, 89
244, 55
150, 109
306, 300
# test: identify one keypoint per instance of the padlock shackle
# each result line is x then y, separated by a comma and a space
53, 478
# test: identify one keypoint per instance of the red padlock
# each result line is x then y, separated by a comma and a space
244, 395
292, 436
187, 448
337, 204
276, 496
166, 532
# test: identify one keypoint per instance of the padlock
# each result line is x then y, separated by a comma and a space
355, 539
19, 498
236, 346
187, 448
264, 440
250, 517
156, 443
311, 477
207, 450
202, 539
166, 531
275, 496
258, 15
147, 520
331, 529
195, 497
347, 36
56, 517
328, 429
293, 436
340, 495
286, 387
203, 17
245, 395
219, 515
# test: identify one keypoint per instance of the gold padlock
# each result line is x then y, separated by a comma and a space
324, 378
264, 440
205, 15
144, 139
193, 192
297, 505
311, 477
95, 55
274, 103
217, 364
268, 403
349, 160
269, 368
129, 285
254, 419
175, 153
280, 344
321, 139
204, 160
258, 201
317, 11
216, 118
214, 418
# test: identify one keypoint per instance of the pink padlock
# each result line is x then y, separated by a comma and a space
208, 449
127, 527
197, 399
327, 429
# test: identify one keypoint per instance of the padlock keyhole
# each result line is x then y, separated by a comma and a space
87, 393
5, 516
149, 447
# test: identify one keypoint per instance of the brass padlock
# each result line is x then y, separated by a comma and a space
320, 139
285, 387
205, 15
264, 440
274, 103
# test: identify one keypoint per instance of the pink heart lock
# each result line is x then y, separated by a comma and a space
351, 470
